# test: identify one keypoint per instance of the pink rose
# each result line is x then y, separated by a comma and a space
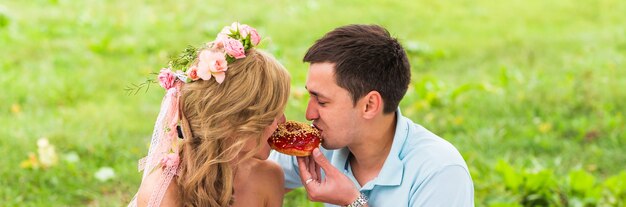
234, 48
223, 34
212, 63
192, 73
171, 159
218, 44
166, 78
235, 26
246, 30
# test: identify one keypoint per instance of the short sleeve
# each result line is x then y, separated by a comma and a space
450, 186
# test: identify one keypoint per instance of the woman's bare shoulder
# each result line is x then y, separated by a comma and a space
271, 182
268, 171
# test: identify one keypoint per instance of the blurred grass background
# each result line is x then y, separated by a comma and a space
524, 89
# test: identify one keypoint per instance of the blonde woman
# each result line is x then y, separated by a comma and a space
226, 103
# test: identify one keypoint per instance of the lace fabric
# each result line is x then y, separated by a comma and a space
163, 142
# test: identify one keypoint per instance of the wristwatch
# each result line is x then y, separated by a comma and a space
359, 202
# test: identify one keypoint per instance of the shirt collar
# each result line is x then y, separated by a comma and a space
392, 171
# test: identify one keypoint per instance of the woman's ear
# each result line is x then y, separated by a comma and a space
372, 104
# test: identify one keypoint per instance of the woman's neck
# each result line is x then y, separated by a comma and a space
243, 168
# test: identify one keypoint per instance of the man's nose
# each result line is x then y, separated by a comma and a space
311, 111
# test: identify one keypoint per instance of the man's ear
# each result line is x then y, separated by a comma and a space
372, 104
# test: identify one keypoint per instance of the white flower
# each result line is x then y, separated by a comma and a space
43, 142
46, 153
71, 157
105, 173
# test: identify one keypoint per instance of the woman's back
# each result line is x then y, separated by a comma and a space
257, 183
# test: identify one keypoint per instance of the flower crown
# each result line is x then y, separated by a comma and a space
212, 61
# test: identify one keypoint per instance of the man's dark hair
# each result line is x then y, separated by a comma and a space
366, 59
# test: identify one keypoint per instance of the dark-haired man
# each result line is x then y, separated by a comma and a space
372, 155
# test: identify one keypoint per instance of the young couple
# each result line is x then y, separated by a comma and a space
209, 146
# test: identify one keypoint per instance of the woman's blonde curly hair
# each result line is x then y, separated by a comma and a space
219, 119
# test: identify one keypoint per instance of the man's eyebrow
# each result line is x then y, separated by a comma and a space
315, 93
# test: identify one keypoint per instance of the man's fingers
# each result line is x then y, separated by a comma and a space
323, 162
312, 169
318, 170
304, 172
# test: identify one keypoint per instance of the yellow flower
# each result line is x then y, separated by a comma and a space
31, 162
15, 108
458, 120
545, 127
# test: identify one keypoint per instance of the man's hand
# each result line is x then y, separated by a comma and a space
336, 188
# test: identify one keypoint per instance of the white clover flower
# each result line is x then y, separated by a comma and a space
43, 142
46, 153
105, 173
71, 157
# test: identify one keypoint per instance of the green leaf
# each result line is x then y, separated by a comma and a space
512, 180
4, 19
247, 42
229, 59
542, 181
466, 88
184, 59
581, 181
617, 184
505, 204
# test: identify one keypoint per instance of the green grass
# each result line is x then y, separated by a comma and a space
535, 84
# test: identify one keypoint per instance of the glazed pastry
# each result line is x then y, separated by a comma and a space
295, 138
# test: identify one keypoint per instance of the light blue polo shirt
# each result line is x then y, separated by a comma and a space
421, 169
